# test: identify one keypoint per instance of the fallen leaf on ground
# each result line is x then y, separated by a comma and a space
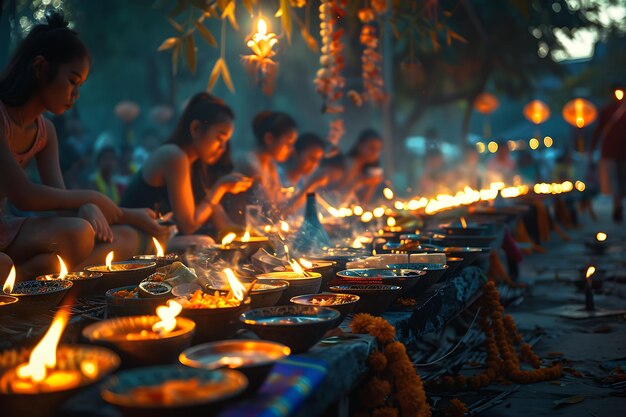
569, 400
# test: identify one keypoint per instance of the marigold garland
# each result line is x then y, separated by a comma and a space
457, 408
383, 394
503, 362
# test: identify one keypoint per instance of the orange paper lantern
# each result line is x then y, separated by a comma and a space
486, 103
537, 111
579, 112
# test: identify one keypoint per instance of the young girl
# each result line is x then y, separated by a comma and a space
275, 134
363, 174
45, 75
166, 178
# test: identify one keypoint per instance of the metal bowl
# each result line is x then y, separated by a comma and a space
297, 326
119, 306
37, 296
137, 352
165, 260
433, 273
405, 278
132, 274
84, 282
116, 389
69, 357
374, 299
343, 303
254, 358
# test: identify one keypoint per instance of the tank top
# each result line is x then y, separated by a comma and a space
140, 194
41, 138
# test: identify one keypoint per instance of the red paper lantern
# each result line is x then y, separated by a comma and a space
486, 103
537, 112
579, 112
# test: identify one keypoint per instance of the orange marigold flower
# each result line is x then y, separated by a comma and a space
382, 330
377, 361
395, 351
457, 408
375, 392
361, 323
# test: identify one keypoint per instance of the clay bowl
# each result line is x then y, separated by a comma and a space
7, 304
229, 385
373, 299
38, 296
213, 324
84, 283
123, 274
254, 358
297, 326
160, 261
47, 404
343, 303
137, 306
298, 285
112, 333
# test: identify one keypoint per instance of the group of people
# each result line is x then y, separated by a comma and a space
191, 175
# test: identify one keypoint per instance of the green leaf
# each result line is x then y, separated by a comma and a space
180, 7
285, 18
175, 25
215, 74
167, 44
190, 49
229, 12
175, 54
249, 5
206, 34
227, 80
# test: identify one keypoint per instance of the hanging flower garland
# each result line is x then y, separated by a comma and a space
394, 389
329, 82
503, 363
371, 59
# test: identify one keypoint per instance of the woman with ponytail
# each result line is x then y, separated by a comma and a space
45, 74
168, 178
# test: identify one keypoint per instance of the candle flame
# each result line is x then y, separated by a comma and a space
388, 193
284, 226
228, 239
580, 122
109, 260
601, 237
356, 244
44, 355
62, 268
246, 237
619, 94
10, 282
590, 271
159, 248
296, 267
463, 223
391, 221
167, 314
89, 369
267, 228
367, 216
236, 286
261, 27
305, 263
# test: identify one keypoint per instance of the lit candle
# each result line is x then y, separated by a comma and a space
601, 237
109, 260
7, 288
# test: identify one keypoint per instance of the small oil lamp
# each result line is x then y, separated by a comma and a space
120, 274
40, 379
84, 282
160, 258
35, 296
589, 303
300, 281
145, 340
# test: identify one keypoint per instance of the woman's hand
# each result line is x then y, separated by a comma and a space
146, 220
235, 183
109, 209
97, 220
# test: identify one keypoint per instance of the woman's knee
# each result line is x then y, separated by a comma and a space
125, 241
77, 237
5, 266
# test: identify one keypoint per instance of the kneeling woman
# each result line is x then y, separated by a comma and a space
165, 180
